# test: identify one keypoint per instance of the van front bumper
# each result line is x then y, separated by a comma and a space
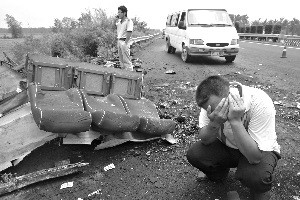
198, 51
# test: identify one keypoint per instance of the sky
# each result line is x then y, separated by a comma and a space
41, 13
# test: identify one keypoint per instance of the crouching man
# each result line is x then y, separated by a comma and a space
237, 130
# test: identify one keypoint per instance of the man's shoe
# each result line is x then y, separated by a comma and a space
260, 196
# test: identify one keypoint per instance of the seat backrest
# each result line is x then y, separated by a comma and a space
48, 72
53, 73
92, 78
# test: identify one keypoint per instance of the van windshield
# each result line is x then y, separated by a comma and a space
208, 18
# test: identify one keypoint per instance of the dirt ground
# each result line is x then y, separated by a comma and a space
157, 169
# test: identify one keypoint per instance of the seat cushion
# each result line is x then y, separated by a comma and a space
59, 111
108, 113
150, 123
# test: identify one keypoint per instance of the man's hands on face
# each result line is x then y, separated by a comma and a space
236, 108
219, 115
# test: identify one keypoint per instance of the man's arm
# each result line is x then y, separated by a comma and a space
209, 133
244, 141
129, 31
128, 35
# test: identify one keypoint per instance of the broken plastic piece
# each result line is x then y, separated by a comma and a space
66, 185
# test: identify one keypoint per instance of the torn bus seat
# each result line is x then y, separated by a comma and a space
109, 114
150, 123
59, 111
77, 97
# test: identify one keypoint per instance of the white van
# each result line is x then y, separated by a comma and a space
202, 32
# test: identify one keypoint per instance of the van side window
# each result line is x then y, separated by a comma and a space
174, 20
182, 18
168, 23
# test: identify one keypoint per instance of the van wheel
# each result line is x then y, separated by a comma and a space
184, 55
173, 50
169, 48
230, 58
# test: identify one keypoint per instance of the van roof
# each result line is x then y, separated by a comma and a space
207, 9
185, 10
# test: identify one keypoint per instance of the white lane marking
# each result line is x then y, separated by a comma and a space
274, 45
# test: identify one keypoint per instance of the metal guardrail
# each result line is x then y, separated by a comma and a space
142, 38
285, 39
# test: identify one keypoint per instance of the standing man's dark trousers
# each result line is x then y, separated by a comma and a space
216, 158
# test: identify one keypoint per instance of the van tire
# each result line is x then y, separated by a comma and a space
230, 58
169, 48
173, 50
185, 55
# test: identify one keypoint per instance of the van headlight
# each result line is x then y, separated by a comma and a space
234, 41
197, 41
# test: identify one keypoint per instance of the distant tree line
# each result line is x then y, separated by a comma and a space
281, 26
93, 34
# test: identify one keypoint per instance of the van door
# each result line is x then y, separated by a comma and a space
174, 29
181, 32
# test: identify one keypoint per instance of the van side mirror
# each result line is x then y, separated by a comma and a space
181, 25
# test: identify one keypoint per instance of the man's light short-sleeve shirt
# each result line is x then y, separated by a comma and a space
259, 120
123, 28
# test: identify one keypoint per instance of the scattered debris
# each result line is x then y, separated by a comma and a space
109, 64
94, 193
170, 72
66, 185
109, 167
9, 183
139, 70
296, 197
136, 62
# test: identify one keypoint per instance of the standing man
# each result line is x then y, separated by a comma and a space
237, 130
124, 32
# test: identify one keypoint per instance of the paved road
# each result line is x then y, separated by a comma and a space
255, 59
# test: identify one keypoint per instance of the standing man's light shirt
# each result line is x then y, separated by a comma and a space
124, 27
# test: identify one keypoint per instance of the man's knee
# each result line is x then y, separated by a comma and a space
258, 177
192, 155
261, 181
195, 156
